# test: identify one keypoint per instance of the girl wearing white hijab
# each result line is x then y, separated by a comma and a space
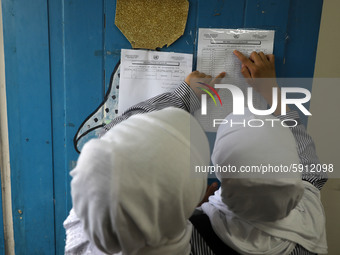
133, 189
143, 210
262, 215
266, 216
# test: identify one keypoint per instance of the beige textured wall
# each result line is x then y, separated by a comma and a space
324, 125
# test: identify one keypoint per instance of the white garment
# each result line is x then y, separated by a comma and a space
304, 225
77, 242
133, 189
266, 216
257, 196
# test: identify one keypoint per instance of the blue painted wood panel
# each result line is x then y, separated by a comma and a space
59, 58
77, 82
27, 67
303, 30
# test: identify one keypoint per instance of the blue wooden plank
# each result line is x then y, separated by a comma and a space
220, 14
76, 37
29, 120
272, 15
303, 34
61, 191
302, 41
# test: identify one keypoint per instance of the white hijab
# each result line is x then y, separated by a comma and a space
133, 189
264, 196
263, 215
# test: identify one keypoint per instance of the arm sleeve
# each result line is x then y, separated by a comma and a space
306, 149
183, 97
77, 241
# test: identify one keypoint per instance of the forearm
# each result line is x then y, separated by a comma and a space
183, 97
306, 150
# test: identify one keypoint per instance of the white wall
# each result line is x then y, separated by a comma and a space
324, 125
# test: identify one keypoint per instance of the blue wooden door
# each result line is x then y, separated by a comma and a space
59, 56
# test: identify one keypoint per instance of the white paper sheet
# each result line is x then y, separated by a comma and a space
145, 74
215, 55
